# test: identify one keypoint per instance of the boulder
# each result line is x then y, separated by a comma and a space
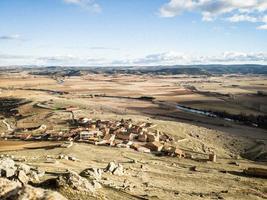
111, 167
24, 167
96, 185
92, 173
22, 177
118, 170
76, 182
40, 172
8, 188
7, 167
33, 176
8, 172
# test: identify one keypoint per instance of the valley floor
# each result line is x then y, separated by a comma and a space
147, 176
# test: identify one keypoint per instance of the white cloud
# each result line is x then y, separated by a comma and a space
263, 6
165, 58
70, 60
11, 59
232, 10
173, 58
242, 18
241, 57
162, 58
262, 27
89, 5
10, 37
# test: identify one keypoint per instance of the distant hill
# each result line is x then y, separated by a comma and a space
159, 70
209, 69
185, 69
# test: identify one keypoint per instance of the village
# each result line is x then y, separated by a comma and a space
142, 136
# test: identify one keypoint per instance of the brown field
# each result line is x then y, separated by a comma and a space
104, 96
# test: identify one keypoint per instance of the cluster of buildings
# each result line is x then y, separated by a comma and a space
142, 137
125, 134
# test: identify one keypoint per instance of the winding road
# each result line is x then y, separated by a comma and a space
9, 128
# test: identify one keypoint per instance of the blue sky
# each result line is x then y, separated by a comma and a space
132, 32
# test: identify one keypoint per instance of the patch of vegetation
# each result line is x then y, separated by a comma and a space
9, 105
147, 98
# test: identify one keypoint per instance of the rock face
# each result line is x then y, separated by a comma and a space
22, 177
7, 167
18, 171
11, 190
92, 173
8, 188
116, 169
24, 167
76, 182
111, 167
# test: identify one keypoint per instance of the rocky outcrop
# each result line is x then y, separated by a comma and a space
76, 182
114, 168
11, 190
92, 173
89, 179
18, 171
7, 167
16, 178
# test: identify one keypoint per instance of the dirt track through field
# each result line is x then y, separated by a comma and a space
19, 145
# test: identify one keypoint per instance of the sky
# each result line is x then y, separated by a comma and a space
132, 32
